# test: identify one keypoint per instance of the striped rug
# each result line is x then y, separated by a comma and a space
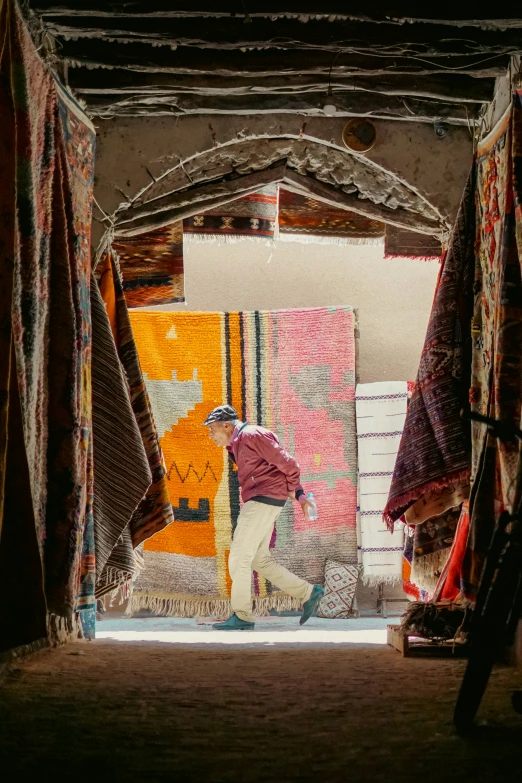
155, 511
381, 411
122, 475
292, 371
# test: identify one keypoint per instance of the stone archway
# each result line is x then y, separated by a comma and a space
303, 163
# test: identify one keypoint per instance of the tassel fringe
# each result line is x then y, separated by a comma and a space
414, 258
426, 571
316, 239
169, 606
62, 630
400, 504
373, 580
224, 239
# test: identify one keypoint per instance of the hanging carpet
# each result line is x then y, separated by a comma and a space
151, 266
412, 590
293, 372
400, 243
45, 203
381, 411
433, 464
450, 584
122, 475
303, 219
80, 140
497, 336
251, 216
154, 512
431, 548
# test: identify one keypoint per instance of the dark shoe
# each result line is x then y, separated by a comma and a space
310, 605
234, 623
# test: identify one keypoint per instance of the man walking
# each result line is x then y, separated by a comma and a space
268, 475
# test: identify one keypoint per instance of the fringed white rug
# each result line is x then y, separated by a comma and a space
380, 412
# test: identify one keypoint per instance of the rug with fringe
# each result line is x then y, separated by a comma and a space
131, 496
292, 371
122, 475
305, 220
431, 548
45, 389
80, 141
432, 469
151, 266
252, 216
381, 411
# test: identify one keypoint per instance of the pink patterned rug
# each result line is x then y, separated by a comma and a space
292, 371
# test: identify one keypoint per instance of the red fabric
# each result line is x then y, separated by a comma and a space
450, 586
263, 465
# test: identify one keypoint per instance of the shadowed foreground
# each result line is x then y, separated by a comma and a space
114, 711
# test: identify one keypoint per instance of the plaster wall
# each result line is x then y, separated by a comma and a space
393, 296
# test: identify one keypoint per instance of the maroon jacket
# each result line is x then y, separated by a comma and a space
264, 468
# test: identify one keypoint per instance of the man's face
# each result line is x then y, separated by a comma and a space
220, 432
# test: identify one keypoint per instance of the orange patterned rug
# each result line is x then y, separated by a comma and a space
292, 371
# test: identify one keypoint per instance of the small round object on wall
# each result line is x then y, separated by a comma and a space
359, 135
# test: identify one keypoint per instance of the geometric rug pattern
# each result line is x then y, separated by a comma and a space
292, 371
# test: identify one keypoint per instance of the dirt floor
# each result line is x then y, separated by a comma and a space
130, 711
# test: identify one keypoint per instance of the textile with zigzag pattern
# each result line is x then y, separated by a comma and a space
293, 372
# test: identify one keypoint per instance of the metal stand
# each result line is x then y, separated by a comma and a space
382, 601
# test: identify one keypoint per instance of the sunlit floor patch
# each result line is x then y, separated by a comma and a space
269, 631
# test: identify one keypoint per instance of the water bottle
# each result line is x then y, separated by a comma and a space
312, 512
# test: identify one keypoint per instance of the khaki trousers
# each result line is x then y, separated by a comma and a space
250, 551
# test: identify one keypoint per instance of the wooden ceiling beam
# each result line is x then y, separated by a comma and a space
233, 33
497, 16
453, 88
140, 57
348, 104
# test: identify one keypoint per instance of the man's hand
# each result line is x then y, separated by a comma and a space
306, 506
304, 502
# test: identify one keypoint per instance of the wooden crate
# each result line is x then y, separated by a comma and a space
411, 646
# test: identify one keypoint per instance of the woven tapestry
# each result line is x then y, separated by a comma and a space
119, 479
292, 371
450, 585
431, 548
304, 219
151, 266
122, 475
46, 543
155, 511
251, 216
400, 243
432, 469
381, 411
80, 141
497, 335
